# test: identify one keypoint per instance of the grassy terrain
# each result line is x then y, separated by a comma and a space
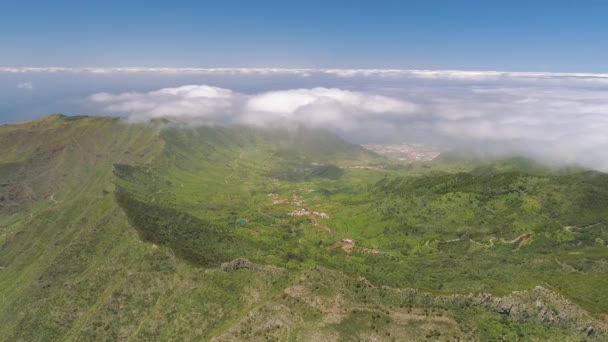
113, 231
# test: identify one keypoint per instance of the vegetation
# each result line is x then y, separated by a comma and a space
113, 231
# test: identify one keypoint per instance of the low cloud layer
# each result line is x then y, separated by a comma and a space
192, 103
331, 108
449, 75
563, 122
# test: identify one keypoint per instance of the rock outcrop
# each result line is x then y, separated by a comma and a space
239, 264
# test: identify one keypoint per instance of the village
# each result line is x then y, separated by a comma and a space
301, 211
405, 152
348, 245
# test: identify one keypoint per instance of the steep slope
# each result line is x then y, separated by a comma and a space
111, 231
70, 221
72, 266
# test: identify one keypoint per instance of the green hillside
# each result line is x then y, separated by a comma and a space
115, 231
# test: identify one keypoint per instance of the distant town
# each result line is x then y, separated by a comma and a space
405, 152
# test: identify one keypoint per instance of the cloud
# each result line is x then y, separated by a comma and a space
562, 125
25, 85
429, 75
201, 104
193, 103
326, 107
561, 122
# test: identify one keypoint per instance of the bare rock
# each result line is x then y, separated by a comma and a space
238, 264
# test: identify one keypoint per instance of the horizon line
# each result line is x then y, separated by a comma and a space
303, 71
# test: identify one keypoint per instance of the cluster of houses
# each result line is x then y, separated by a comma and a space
306, 212
297, 200
349, 245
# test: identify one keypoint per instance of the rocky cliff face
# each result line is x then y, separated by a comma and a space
539, 304
340, 299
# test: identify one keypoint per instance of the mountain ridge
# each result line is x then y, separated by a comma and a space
106, 240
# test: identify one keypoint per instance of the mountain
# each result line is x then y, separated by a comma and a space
116, 231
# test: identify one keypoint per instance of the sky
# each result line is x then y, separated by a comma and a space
514, 35
508, 77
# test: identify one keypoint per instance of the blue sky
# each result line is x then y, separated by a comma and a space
324, 64
558, 36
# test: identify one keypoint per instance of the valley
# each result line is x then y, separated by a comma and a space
116, 231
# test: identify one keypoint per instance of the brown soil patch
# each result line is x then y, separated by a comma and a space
526, 240
297, 291
348, 245
335, 313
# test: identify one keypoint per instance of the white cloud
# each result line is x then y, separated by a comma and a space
563, 125
199, 103
448, 75
561, 122
202, 104
327, 107
25, 85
